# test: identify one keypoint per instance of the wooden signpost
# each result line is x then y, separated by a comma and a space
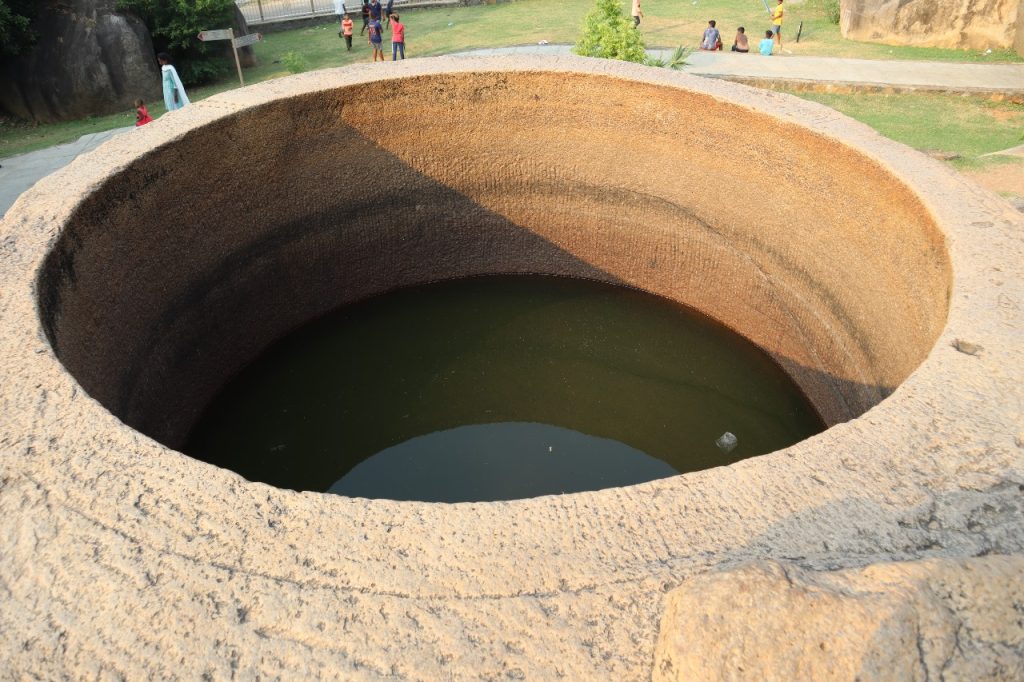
240, 41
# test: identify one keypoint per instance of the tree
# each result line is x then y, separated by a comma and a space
174, 25
16, 32
609, 33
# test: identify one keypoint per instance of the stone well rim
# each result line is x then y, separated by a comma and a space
132, 484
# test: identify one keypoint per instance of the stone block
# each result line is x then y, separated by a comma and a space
939, 618
90, 60
974, 24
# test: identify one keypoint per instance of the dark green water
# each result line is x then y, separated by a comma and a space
497, 388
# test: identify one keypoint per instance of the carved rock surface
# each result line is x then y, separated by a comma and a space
971, 24
90, 59
919, 620
235, 218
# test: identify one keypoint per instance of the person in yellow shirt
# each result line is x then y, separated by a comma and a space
777, 24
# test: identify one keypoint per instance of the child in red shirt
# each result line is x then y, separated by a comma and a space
346, 31
397, 38
142, 116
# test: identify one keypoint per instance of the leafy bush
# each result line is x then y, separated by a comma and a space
175, 24
610, 34
832, 11
675, 61
294, 62
16, 34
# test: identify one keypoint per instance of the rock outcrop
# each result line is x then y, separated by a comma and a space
90, 59
970, 24
920, 620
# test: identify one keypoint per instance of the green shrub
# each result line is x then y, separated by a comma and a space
294, 62
174, 25
610, 34
675, 61
832, 11
16, 33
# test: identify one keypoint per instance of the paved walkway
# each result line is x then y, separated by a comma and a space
1004, 79
1012, 151
21, 172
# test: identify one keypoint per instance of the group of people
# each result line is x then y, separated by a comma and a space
712, 38
373, 14
174, 91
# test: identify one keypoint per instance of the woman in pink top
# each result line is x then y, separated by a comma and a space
397, 38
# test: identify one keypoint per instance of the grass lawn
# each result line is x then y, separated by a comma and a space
968, 126
924, 121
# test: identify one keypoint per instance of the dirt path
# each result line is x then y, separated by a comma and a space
1004, 178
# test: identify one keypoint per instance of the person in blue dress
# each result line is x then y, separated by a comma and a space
174, 91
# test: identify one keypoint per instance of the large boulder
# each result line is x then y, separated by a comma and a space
919, 620
971, 24
90, 59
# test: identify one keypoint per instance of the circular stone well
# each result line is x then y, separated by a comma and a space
142, 276
185, 264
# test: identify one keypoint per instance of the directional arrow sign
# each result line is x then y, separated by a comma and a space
242, 41
220, 34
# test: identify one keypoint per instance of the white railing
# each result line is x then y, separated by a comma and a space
263, 11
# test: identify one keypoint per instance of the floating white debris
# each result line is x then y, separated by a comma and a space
727, 442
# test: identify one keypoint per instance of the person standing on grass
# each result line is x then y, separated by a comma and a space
777, 23
376, 11
397, 37
366, 16
740, 43
346, 31
638, 14
388, 12
375, 31
766, 44
174, 91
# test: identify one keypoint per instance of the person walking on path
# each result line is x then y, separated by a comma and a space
740, 42
638, 14
766, 44
375, 31
174, 91
346, 32
397, 38
777, 23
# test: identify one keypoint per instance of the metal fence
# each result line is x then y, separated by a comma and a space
263, 11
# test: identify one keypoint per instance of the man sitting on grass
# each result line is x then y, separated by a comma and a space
740, 43
712, 39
